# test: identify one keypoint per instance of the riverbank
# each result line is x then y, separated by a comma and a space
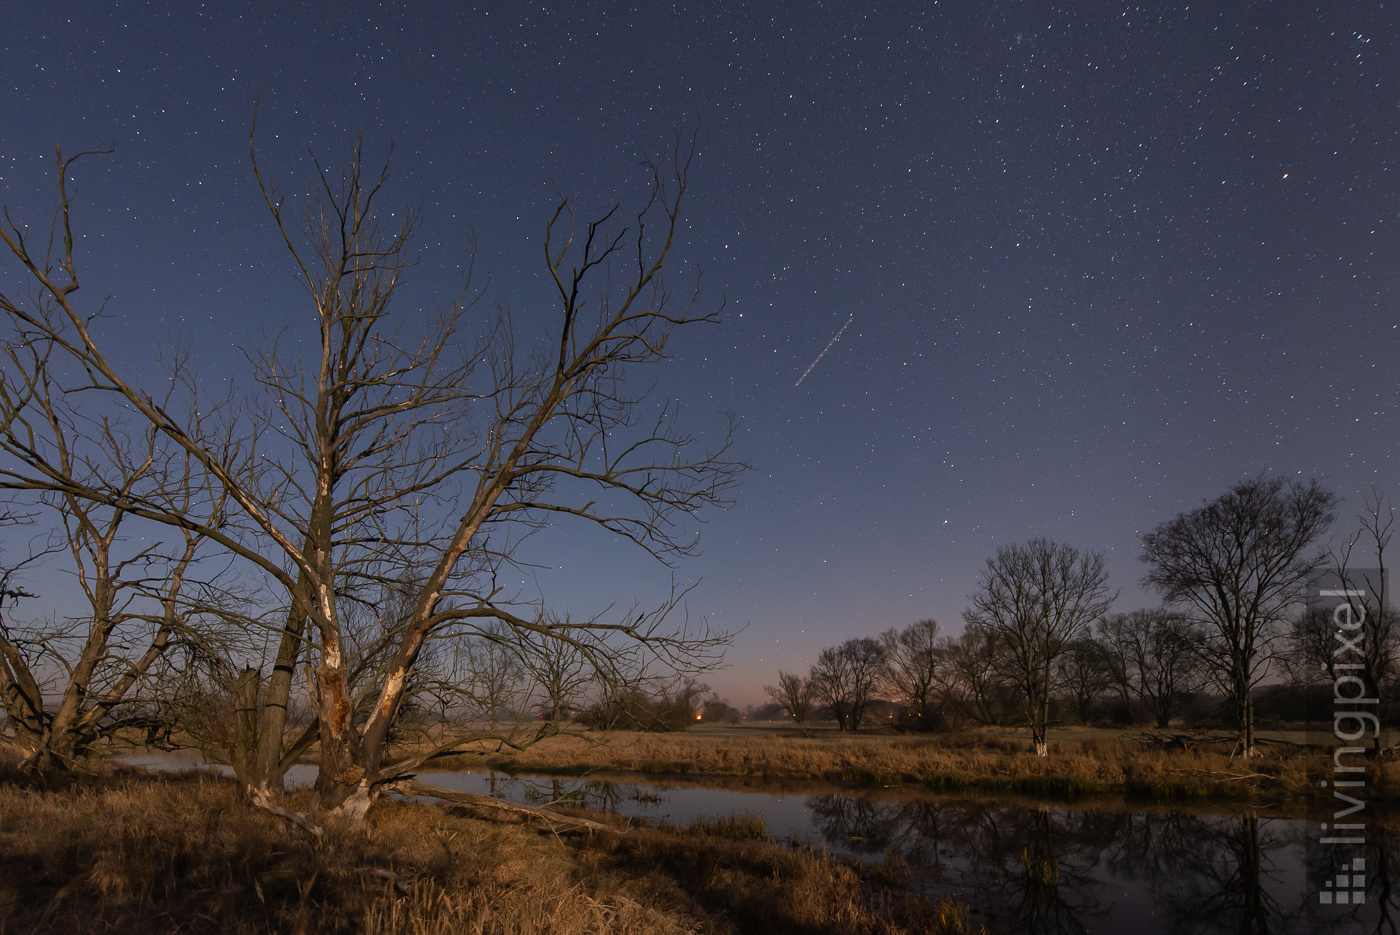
1081, 762
125, 851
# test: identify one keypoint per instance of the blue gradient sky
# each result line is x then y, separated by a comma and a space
1102, 263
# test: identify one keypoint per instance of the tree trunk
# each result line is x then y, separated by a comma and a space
24, 702
344, 781
245, 728
268, 763
1040, 718
1244, 712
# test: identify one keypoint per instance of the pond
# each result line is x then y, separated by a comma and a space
1027, 867
1023, 866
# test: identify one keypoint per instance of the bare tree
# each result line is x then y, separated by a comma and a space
1237, 564
845, 678
487, 673
559, 668
400, 453
717, 710
796, 695
1084, 674
1116, 647
1353, 635
911, 664
971, 677
79, 679
1152, 655
631, 699
1039, 597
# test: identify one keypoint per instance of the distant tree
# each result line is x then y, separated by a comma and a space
636, 701
1039, 597
1236, 565
766, 712
1152, 656
796, 695
487, 672
1084, 675
717, 710
846, 676
972, 680
559, 667
1356, 634
1112, 636
911, 664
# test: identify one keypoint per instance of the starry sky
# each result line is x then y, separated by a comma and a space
1100, 261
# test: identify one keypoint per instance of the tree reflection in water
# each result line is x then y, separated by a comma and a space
1055, 869
1030, 864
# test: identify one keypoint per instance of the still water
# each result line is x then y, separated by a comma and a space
1023, 866
1026, 867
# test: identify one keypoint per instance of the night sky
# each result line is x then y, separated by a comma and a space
1100, 261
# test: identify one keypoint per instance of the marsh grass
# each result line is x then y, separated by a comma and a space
991, 761
739, 826
127, 852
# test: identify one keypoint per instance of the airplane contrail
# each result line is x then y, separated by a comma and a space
824, 350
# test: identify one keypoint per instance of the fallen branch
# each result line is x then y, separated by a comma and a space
411, 787
1229, 777
389, 875
261, 800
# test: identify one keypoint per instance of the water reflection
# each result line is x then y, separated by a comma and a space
1039, 868
1033, 865
1046, 868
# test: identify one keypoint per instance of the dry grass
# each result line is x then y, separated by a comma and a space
125, 852
1082, 763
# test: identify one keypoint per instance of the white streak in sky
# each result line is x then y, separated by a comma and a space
824, 350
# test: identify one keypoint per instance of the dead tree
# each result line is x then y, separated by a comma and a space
68, 682
430, 452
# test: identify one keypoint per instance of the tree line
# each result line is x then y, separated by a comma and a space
1040, 644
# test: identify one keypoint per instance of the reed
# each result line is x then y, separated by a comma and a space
1079, 765
126, 852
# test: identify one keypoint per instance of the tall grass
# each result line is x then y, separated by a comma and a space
990, 761
132, 853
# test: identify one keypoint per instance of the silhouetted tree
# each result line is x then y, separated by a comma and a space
846, 676
796, 695
971, 676
911, 664
1236, 564
1038, 598
1355, 637
1152, 655
1084, 675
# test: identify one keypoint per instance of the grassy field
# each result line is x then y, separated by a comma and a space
127, 852
1081, 762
